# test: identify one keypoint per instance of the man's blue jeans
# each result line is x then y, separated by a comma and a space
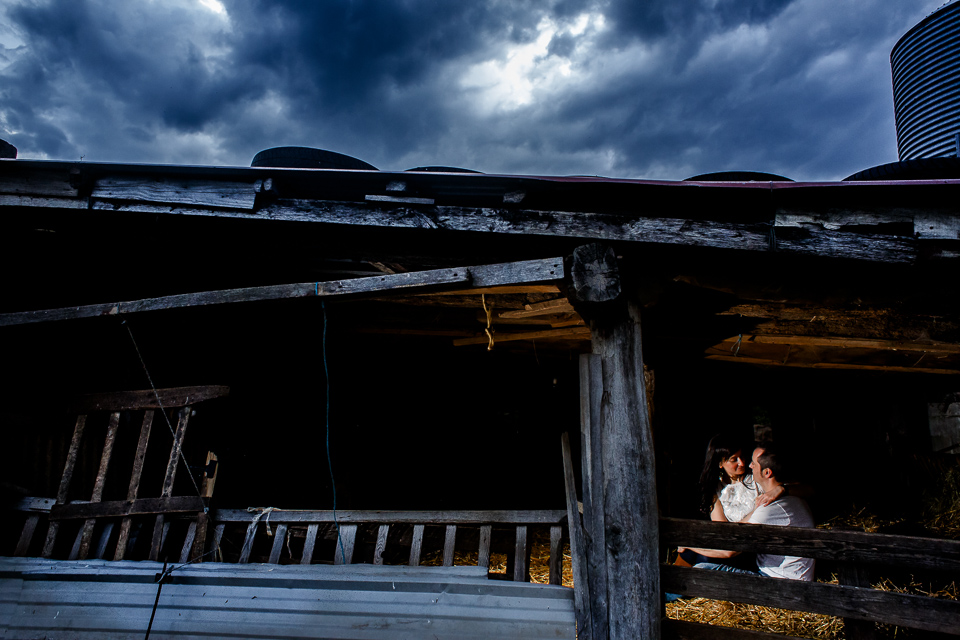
713, 566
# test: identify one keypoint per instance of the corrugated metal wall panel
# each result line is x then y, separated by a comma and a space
100, 599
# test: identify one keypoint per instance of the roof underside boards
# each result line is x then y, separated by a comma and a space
101, 599
719, 265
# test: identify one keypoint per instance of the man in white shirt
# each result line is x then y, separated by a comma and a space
788, 511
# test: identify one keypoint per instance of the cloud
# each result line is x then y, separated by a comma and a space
651, 89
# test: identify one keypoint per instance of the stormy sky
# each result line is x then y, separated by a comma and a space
657, 89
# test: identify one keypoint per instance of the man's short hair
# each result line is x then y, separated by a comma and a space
772, 459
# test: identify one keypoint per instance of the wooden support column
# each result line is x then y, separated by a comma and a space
620, 495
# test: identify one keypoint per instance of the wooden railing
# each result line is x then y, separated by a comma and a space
852, 549
279, 527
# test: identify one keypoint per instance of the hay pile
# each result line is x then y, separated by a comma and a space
755, 618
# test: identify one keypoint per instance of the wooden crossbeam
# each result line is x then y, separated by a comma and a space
582, 333
478, 277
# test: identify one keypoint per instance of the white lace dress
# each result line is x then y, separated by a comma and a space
739, 498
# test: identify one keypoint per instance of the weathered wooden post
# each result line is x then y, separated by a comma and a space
621, 518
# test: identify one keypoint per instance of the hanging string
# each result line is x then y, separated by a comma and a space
333, 485
489, 312
163, 411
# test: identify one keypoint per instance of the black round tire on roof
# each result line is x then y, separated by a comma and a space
916, 169
738, 176
307, 158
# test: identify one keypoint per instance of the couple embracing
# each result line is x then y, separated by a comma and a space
732, 493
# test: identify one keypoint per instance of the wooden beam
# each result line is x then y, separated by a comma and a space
398, 517
829, 365
698, 232
848, 343
479, 276
189, 192
917, 612
622, 455
170, 398
118, 508
581, 333
827, 544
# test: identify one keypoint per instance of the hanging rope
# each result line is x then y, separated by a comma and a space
333, 484
489, 312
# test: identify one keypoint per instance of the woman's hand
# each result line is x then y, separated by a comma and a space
770, 497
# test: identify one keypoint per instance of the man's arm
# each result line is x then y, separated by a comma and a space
710, 553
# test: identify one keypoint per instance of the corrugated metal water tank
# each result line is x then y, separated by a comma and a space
926, 85
57, 599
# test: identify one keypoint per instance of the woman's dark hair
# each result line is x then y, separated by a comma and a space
720, 447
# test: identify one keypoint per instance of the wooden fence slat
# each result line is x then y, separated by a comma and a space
134, 487
918, 612
108, 441
64, 489
203, 518
343, 554
248, 541
310, 543
104, 540
188, 541
381, 543
279, 539
521, 561
416, 545
854, 576
26, 535
826, 544
556, 555
483, 555
449, 544
168, 479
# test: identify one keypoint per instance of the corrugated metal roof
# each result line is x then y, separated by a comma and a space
87, 599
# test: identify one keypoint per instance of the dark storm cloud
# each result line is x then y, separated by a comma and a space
615, 87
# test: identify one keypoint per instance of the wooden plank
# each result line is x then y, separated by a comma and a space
521, 564
279, 540
483, 553
560, 305
449, 544
42, 202
829, 365
373, 516
582, 333
594, 557
917, 612
416, 545
26, 535
62, 492
172, 398
346, 538
476, 277
581, 592
382, 532
189, 192
120, 508
502, 290
111, 437
248, 541
169, 477
624, 453
683, 630
309, 544
568, 224
850, 546
848, 343
188, 541
134, 487
38, 183
556, 555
